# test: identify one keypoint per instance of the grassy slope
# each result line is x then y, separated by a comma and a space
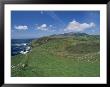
72, 56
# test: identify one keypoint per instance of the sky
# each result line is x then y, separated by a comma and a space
35, 24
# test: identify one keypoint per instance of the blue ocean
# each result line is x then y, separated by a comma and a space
19, 46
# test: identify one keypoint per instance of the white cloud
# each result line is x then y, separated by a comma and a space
76, 26
42, 27
45, 27
21, 27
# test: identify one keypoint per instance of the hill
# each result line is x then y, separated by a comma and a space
69, 54
71, 34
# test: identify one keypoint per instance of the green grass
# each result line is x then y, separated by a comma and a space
62, 57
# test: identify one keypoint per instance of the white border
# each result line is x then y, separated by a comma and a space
56, 80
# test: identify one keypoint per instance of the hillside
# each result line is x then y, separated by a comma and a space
61, 55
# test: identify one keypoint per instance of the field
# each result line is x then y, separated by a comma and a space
71, 56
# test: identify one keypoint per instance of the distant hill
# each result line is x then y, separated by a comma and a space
69, 34
72, 34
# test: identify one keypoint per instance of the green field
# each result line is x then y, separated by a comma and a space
74, 56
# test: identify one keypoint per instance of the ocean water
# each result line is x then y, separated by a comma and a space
20, 46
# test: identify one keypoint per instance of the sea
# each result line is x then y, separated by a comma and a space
20, 46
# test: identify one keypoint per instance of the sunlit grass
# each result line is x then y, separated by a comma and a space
73, 56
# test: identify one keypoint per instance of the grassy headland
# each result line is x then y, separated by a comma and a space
60, 56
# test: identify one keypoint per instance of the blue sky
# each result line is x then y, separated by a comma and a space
35, 24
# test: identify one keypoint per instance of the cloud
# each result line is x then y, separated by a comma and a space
21, 27
45, 27
76, 26
42, 27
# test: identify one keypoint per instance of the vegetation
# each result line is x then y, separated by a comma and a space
76, 56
